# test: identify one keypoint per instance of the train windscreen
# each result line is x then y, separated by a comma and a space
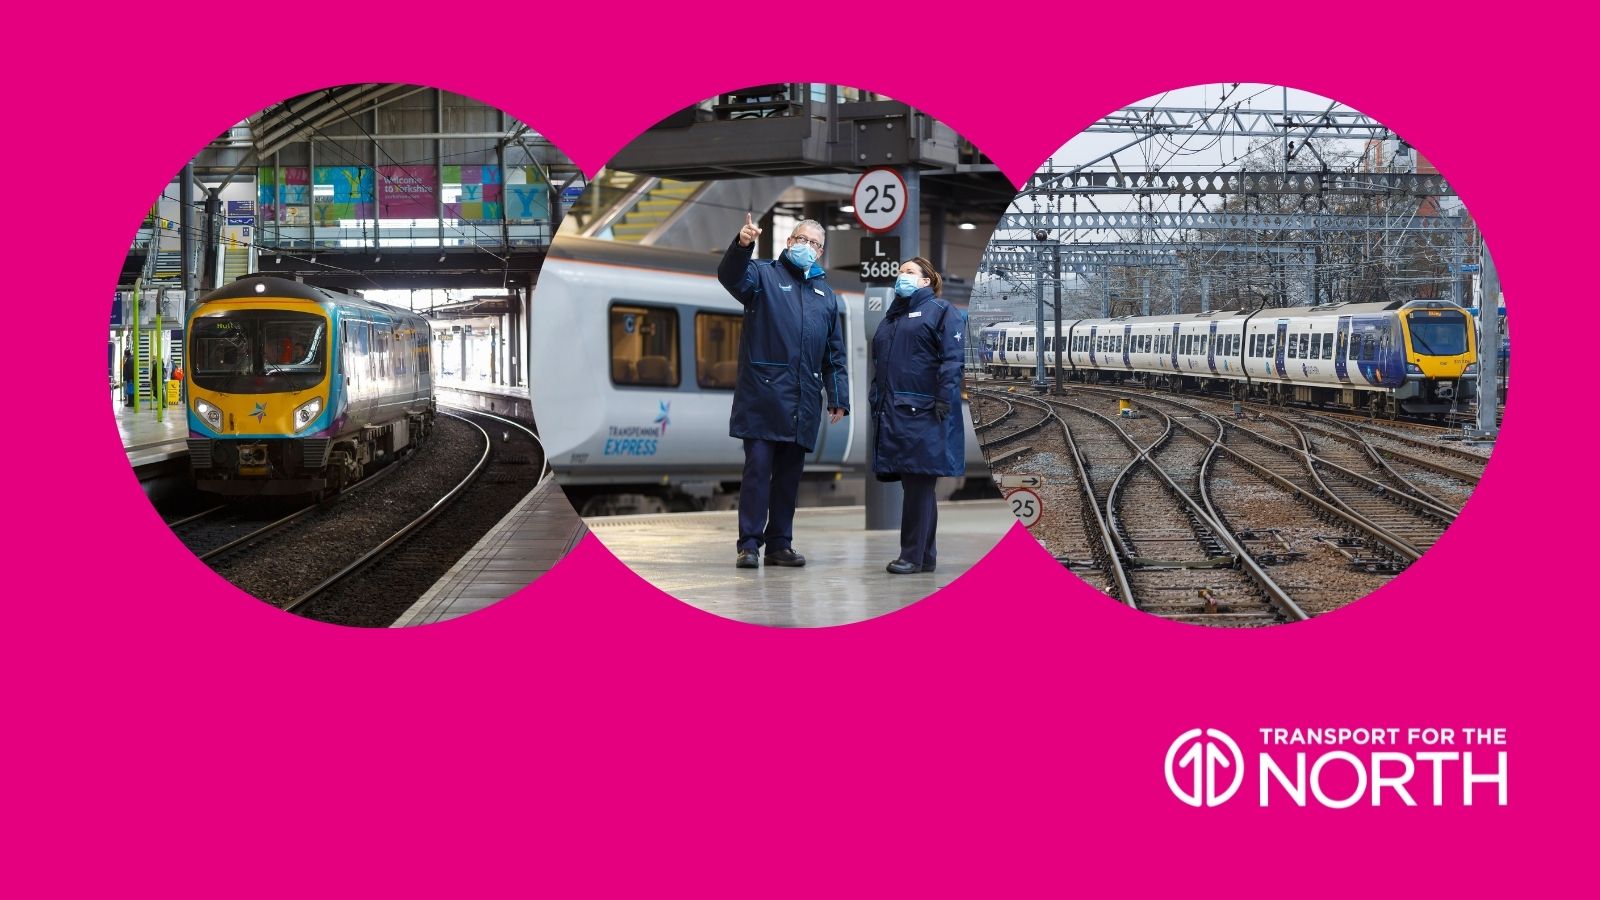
258, 351
1436, 333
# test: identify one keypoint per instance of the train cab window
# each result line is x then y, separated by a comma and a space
644, 345
716, 349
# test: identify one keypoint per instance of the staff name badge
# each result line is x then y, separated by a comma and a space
915, 314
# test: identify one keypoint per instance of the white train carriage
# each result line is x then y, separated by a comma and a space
635, 353
1418, 356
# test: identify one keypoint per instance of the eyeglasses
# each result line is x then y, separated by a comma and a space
815, 245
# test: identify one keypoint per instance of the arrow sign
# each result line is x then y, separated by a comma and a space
1021, 481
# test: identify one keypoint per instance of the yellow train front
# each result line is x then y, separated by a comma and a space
1441, 347
294, 389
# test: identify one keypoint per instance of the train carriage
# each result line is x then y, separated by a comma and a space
1418, 357
637, 352
294, 389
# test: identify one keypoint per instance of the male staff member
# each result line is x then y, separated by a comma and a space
790, 351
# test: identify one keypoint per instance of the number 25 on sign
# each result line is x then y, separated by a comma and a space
1025, 505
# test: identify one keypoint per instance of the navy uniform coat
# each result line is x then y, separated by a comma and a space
791, 349
917, 355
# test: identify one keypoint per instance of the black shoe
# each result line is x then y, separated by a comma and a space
929, 567
903, 567
748, 559
785, 557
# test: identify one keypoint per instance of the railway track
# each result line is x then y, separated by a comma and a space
381, 583
215, 533
1181, 564
1252, 521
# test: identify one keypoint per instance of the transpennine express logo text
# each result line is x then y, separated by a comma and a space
1341, 767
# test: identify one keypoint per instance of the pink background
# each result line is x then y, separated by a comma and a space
592, 735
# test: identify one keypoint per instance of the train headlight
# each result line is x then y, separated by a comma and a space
209, 414
306, 413
1471, 369
1413, 369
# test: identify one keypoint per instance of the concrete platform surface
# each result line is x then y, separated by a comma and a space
690, 556
147, 440
534, 536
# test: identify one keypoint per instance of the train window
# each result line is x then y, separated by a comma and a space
1291, 351
1316, 346
644, 345
1355, 347
1305, 346
1369, 347
1272, 346
1327, 346
716, 349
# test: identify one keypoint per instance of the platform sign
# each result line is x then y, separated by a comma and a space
1020, 481
880, 260
880, 199
1025, 505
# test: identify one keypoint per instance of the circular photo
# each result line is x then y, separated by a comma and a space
749, 348
1242, 355
317, 355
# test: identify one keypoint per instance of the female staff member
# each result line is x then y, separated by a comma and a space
916, 404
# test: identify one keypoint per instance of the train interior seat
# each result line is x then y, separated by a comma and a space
724, 374
654, 370
622, 371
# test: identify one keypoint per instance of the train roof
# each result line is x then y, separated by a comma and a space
250, 287
669, 259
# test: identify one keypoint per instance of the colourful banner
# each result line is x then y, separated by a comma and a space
408, 192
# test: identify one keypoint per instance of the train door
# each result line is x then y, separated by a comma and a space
1283, 343
1175, 327
833, 440
1211, 348
1341, 350
358, 381
1127, 346
1094, 332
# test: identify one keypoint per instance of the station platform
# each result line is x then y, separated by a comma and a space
690, 556
148, 441
533, 537
511, 402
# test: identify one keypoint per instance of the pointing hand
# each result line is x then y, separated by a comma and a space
749, 233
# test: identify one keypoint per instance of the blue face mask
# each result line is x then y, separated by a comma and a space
802, 256
906, 285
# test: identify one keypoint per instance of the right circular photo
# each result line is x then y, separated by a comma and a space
1242, 355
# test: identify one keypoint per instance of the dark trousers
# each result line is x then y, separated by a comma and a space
919, 519
767, 495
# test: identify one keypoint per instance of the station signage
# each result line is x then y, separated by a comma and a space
880, 199
1025, 505
880, 260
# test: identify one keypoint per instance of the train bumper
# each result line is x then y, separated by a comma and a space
260, 467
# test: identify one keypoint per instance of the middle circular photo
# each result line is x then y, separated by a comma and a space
748, 347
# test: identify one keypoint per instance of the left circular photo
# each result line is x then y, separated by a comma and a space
317, 355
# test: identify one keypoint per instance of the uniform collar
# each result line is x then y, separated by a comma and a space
906, 304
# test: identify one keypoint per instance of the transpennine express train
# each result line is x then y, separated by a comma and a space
635, 353
294, 389
1417, 357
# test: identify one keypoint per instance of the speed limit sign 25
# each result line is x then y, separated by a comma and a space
880, 199
1025, 505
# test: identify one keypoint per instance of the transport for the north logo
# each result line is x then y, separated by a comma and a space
1341, 767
